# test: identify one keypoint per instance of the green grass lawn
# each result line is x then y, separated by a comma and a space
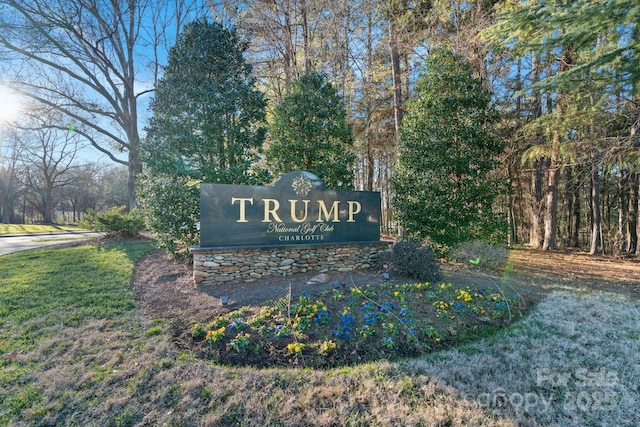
35, 228
45, 293
76, 350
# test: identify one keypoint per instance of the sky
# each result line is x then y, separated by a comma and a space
10, 108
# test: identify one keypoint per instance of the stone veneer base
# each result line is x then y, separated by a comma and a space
251, 263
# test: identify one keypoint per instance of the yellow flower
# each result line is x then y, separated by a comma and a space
295, 348
215, 336
327, 346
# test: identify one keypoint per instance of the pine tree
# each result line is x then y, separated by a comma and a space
591, 52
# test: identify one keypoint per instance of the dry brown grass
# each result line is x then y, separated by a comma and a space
108, 373
575, 349
574, 360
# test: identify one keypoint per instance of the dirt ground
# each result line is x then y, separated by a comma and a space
165, 290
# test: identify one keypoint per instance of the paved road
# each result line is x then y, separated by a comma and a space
15, 243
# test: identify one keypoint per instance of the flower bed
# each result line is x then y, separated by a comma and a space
355, 324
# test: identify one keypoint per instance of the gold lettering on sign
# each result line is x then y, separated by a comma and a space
242, 200
354, 208
294, 217
299, 214
322, 208
268, 211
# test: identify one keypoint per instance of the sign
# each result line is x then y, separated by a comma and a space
297, 209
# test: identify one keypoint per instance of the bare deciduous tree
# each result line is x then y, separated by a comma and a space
46, 155
92, 60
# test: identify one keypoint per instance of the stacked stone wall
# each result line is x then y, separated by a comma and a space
218, 265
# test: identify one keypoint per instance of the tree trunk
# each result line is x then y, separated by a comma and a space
369, 169
623, 210
537, 204
5, 212
596, 220
289, 52
632, 235
305, 36
135, 168
568, 206
573, 209
74, 207
575, 218
24, 208
512, 237
551, 211
397, 81
605, 205
47, 205
551, 216
388, 196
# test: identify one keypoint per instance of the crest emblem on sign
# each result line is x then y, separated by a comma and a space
301, 185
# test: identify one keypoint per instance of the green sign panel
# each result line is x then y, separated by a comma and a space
297, 209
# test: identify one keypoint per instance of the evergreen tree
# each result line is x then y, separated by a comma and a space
206, 109
591, 51
205, 127
309, 131
443, 180
604, 34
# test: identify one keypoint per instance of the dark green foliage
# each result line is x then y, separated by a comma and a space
206, 110
310, 132
114, 222
206, 127
603, 35
406, 259
444, 179
171, 208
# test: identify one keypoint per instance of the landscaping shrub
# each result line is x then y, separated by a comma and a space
409, 260
171, 209
114, 222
